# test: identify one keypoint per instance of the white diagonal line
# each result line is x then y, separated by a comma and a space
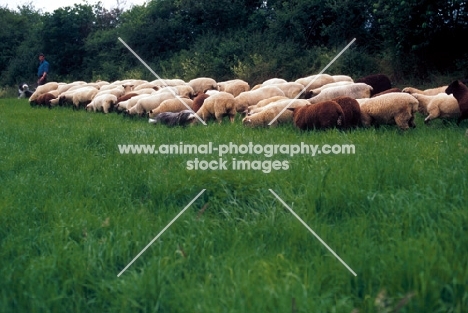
159, 78
316, 76
313, 233
161, 232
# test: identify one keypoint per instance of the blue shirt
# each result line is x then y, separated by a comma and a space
43, 67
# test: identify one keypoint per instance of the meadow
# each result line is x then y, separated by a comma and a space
74, 212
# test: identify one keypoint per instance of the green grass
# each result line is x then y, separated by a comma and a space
74, 212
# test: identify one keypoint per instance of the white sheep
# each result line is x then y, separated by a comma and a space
102, 103
128, 104
252, 97
316, 91
147, 104
355, 91
274, 81
267, 113
265, 102
234, 87
391, 108
292, 89
218, 105
83, 96
203, 84
43, 89
281, 103
427, 92
441, 105
342, 78
315, 81
172, 105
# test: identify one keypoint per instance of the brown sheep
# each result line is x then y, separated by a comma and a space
199, 100
351, 110
322, 115
379, 82
44, 99
460, 92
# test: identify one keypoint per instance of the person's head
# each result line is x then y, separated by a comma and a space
41, 57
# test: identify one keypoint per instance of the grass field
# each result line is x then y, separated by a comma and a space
74, 212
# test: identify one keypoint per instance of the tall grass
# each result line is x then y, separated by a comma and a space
74, 212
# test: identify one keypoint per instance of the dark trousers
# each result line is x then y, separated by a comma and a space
41, 81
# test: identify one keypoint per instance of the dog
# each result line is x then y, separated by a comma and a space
23, 91
171, 119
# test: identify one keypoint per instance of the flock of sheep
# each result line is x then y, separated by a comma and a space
314, 102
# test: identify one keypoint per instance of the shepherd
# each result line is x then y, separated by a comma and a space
43, 70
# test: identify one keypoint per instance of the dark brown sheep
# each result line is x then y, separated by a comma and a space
44, 99
351, 110
198, 101
379, 82
460, 92
322, 115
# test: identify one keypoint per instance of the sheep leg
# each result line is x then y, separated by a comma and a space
434, 112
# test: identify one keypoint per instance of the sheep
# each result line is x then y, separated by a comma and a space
441, 105
43, 89
234, 87
171, 119
67, 96
342, 78
130, 103
379, 82
103, 102
460, 92
203, 84
265, 102
356, 91
351, 110
252, 97
274, 81
168, 82
185, 91
117, 91
315, 81
199, 100
65, 87
322, 115
391, 108
316, 91
146, 85
292, 89
427, 92
83, 96
146, 104
282, 103
126, 97
45, 99
219, 105
172, 105
262, 116
387, 91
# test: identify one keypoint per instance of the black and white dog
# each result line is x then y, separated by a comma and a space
23, 91
181, 118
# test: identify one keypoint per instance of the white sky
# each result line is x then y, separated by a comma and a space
51, 5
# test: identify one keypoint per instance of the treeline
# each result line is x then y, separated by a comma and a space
249, 39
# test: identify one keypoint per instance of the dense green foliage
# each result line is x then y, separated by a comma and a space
74, 212
248, 39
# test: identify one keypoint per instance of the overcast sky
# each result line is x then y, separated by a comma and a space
51, 5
